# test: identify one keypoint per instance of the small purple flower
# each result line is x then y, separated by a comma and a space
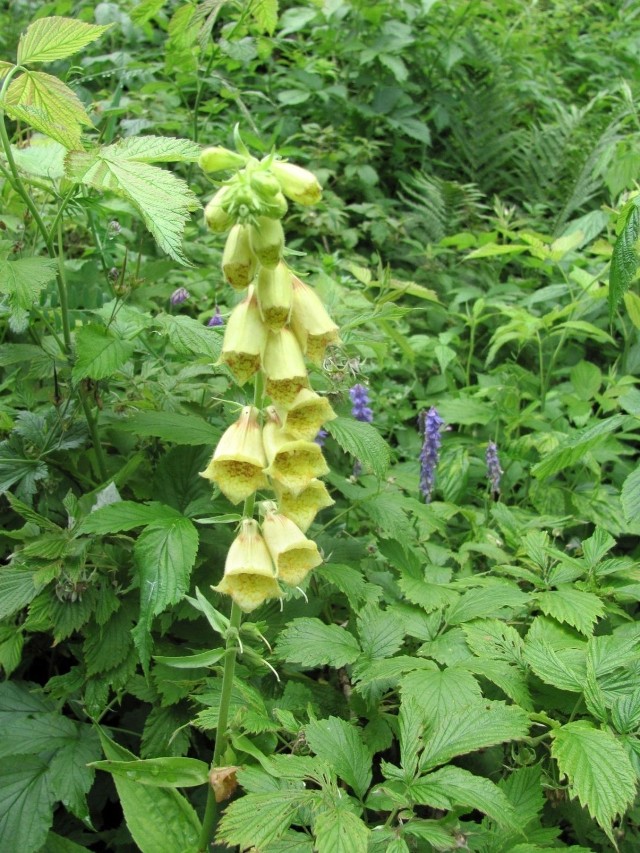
431, 425
217, 319
181, 294
360, 399
494, 471
319, 439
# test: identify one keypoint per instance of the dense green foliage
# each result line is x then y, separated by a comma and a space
459, 673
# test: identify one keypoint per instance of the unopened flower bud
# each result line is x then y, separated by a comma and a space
239, 460
307, 414
249, 576
218, 159
312, 326
275, 294
303, 507
267, 241
216, 216
238, 260
294, 555
284, 367
179, 295
217, 319
298, 184
265, 184
292, 463
244, 339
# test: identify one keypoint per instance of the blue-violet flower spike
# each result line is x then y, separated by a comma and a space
431, 424
494, 471
360, 398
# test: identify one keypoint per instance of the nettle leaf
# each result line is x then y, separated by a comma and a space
562, 668
171, 426
340, 744
56, 38
630, 497
26, 802
339, 830
18, 587
599, 771
625, 259
256, 820
159, 772
70, 777
439, 692
5, 68
363, 442
575, 447
188, 337
381, 633
487, 601
312, 643
99, 353
579, 609
163, 200
23, 279
125, 515
48, 105
462, 788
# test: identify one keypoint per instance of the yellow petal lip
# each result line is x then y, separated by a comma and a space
303, 507
308, 412
294, 555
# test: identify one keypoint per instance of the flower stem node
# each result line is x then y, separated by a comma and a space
310, 322
292, 463
267, 241
283, 364
216, 216
275, 294
294, 555
308, 412
239, 459
303, 508
298, 184
219, 159
239, 263
249, 576
244, 339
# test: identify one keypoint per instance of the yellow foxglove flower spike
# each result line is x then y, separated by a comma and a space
308, 412
267, 241
292, 553
298, 184
292, 463
239, 460
284, 367
244, 340
303, 508
275, 294
312, 326
239, 263
249, 576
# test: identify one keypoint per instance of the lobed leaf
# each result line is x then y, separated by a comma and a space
340, 744
312, 643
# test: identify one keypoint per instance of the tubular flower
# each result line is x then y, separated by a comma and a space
307, 414
216, 216
267, 241
284, 367
292, 553
239, 460
275, 295
244, 339
303, 508
292, 463
249, 576
312, 326
298, 184
239, 263
179, 295
218, 159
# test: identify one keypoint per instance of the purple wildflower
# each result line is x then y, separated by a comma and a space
360, 398
181, 294
431, 425
217, 319
494, 471
319, 439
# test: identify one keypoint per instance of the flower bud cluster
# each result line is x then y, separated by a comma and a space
277, 327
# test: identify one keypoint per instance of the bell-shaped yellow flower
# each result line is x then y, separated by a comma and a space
303, 508
313, 327
292, 553
308, 412
292, 463
283, 364
275, 294
215, 214
244, 340
249, 576
267, 241
239, 263
239, 460
298, 184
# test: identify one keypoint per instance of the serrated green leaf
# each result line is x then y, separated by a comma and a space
625, 259
107, 646
163, 200
340, 744
125, 515
599, 771
56, 38
505, 676
255, 820
440, 692
99, 353
462, 788
434, 833
579, 609
487, 601
473, 728
265, 13
171, 426
362, 441
165, 732
338, 830
48, 105
630, 497
312, 643
160, 820
575, 447
380, 632
23, 279
188, 337
145, 10
410, 731
5, 68
69, 776
159, 772
26, 803
563, 668
17, 589
494, 639
43, 158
